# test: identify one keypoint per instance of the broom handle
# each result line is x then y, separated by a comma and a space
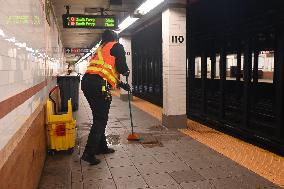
130, 112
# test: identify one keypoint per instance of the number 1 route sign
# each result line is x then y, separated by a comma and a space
89, 21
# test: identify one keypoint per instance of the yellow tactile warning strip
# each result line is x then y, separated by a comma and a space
260, 161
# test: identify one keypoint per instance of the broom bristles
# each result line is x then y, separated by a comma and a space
133, 137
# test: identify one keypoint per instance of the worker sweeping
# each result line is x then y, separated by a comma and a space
102, 74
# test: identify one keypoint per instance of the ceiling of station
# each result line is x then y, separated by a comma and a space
85, 38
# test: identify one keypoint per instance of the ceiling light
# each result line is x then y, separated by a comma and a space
87, 55
84, 57
97, 45
29, 49
143, 9
92, 50
148, 6
21, 44
12, 39
2, 33
125, 23
90, 53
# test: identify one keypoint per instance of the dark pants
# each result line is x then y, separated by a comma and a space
99, 104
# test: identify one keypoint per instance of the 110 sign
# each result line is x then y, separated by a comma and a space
177, 39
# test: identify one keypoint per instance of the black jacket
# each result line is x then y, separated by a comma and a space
120, 60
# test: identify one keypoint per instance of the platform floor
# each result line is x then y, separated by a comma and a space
164, 159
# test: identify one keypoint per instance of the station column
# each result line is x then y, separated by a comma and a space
126, 42
174, 64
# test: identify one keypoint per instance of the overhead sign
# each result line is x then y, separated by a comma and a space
23, 20
89, 21
76, 50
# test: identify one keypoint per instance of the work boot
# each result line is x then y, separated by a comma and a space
105, 151
103, 148
92, 160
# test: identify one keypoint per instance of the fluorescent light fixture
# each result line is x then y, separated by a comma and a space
29, 49
148, 5
143, 9
97, 45
90, 53
87, 55
126, 23
12, 39
2, 33
92, 50
21, 45
84, 57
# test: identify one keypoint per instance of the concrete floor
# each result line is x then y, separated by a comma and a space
163, 159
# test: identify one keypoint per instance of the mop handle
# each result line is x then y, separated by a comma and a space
130, 112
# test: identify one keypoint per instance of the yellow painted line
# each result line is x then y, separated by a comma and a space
258, 160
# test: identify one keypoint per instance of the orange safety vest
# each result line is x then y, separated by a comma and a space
103, 64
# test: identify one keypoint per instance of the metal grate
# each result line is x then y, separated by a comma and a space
149, 141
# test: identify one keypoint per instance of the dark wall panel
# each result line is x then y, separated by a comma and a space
237, 102
147, 63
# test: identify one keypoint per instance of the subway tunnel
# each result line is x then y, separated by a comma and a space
206, 97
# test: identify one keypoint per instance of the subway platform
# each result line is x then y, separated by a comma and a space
164, 158
209, 66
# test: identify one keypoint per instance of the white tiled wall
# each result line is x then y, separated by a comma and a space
30, 53
174, 62
23, 23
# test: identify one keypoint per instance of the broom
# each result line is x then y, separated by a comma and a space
133, 136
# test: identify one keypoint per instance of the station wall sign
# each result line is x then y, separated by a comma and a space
24, 20
76, 50
89, 21
177, 39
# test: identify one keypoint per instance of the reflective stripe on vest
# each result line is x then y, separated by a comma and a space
104, 64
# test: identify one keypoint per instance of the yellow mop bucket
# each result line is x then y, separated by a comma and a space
61, 129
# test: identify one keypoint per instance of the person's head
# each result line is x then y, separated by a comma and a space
109, 36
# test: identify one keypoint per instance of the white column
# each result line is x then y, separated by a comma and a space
126, 42
174, 67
